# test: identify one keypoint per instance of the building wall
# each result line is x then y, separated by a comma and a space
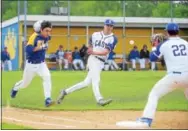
78, 37
10, 40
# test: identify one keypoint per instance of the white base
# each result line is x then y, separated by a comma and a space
132, 124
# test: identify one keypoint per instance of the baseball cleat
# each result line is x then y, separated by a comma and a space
61, 96
139, 123
13, 93
49, 102
103, 102
145, 120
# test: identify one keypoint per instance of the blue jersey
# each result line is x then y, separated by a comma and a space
111, 55
34, 41
76, 55
134, 54
5, 56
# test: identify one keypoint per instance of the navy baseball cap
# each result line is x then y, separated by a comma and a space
109, 22
172, 27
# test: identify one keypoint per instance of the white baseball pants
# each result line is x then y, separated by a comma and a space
9, 63
142, 63
163, 87
63, 61
133, 61
95, 66
76, 62
36, 69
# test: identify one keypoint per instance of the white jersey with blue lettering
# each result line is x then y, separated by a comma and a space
100, 42
175, 53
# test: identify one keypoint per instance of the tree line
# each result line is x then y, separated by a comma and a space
152, 8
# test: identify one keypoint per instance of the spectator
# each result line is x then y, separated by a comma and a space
144, 57
83, 53
112, 64
68, 57
60, 58
134, 57
77, 60
152, 60
5, 59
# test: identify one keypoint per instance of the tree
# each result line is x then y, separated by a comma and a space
153, 8
161, 10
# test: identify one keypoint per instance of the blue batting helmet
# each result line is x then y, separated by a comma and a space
172, 27
109, 22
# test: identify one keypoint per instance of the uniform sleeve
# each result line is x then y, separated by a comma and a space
32, 39
156, 54
30, 47
112, 45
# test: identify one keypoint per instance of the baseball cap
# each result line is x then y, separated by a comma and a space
109, 22
172, 27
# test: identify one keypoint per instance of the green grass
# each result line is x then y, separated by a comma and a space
129, 90
13, 126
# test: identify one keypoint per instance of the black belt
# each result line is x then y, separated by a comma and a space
100, 59
35, 62
176, 72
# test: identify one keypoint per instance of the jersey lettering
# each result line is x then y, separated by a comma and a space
179, 50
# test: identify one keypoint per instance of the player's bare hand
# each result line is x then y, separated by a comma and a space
38, 47
90, 51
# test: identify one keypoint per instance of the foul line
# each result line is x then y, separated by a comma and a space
38, 123
67, 119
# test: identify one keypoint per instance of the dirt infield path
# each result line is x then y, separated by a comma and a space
88, 119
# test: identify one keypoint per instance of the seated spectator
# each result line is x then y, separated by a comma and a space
134, 57
144, 57
5, 59
83, 53
68, 57
152, 60
52, 57
60, 58
77, 60
111, 63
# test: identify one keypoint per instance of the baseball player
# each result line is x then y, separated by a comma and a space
60, 54
100, 45
175, 53
134, 57
5, 58
77, 60
35, 63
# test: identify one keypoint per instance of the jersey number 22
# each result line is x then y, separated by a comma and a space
179, 50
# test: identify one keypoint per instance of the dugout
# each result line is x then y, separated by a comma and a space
138, 29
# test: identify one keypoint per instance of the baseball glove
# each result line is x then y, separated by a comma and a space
156, 39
